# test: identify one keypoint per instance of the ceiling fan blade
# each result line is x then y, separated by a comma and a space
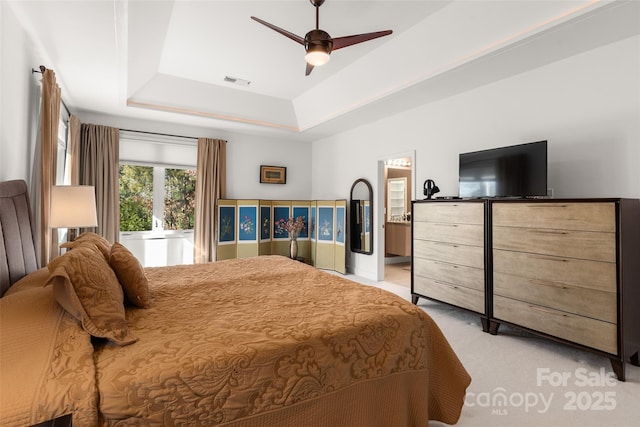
309, 69
340, 42
285, 33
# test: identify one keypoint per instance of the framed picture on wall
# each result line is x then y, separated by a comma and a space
273, 174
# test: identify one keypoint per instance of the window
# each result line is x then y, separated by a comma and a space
63, 174
155, 198
179, 199
136, 198
63, 157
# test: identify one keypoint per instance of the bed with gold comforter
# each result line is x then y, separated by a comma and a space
265, 341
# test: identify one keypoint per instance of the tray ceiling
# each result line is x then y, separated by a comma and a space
171, 61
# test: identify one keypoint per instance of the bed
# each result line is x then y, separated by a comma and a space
264, 341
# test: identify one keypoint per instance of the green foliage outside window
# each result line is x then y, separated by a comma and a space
179, 199
136, 198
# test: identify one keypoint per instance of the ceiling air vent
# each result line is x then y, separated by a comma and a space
237, 81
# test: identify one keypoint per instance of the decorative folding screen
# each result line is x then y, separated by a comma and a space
250, 228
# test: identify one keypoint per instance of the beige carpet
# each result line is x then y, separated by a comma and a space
523, 380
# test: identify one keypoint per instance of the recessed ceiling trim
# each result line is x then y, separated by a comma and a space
179, 110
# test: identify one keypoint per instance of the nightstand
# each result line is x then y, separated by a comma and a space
63, 421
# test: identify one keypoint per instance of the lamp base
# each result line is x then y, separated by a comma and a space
72, 234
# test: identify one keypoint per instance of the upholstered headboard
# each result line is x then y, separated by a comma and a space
17, 245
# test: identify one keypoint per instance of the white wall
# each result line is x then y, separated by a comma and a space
245, 154
19, 97
587, 107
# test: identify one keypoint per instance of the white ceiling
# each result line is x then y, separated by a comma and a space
167, 60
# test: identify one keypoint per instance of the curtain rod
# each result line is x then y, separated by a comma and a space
160, 134
42, 70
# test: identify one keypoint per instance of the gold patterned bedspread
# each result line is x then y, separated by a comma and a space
46, 363
268, 341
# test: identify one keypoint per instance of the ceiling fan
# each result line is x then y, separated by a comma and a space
318, 43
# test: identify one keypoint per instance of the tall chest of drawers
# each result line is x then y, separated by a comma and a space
448, 253
569, 269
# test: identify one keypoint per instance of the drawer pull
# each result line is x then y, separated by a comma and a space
555, 232
547, 206
550, 258
546, 310
449, 285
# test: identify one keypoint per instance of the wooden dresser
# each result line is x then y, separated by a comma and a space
448, 253
565, 269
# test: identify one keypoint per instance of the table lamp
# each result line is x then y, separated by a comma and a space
72, 207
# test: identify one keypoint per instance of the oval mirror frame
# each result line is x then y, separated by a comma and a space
361, 217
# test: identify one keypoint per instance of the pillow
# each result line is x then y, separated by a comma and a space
35, 279
86, 287
130, 274
92, 239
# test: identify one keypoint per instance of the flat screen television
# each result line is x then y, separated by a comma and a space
514, 171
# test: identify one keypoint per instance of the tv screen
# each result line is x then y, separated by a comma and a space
514, 171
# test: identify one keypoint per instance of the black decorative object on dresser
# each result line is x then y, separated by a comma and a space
566, 269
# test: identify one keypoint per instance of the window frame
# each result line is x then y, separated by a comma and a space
158, 202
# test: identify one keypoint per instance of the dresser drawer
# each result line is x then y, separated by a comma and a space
581, 301
558, 216
595, 275
452, 274
470, 256
464, 234
582, 330
590, 245
456, 295
458, 213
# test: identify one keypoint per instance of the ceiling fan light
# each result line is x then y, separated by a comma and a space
317, 57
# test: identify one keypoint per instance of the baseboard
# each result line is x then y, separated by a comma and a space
397, 259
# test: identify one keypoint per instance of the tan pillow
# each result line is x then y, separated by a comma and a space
86, 287
90, 238
130, 274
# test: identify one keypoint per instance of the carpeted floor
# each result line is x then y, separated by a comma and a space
522, 380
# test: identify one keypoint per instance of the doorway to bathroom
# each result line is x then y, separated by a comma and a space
396, 191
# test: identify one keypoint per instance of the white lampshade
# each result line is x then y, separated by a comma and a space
317, 57
73, 206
